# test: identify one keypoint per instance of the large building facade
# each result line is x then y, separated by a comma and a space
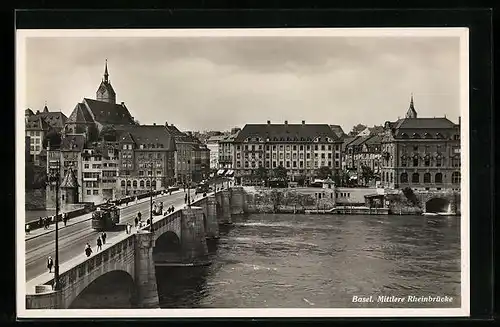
226, 149
300, 148
421, 153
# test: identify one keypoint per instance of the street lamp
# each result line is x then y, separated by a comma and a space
189, 185
54, 177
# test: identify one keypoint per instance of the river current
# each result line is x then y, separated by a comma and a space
322, 261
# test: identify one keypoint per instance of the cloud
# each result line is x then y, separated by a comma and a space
218, 83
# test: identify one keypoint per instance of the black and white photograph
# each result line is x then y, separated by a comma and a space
302, 172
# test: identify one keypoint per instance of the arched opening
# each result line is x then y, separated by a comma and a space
415, 178
437, 205
167, 248
113, 290
134, 183
438, 179
427, 178
404, 178
122, 183
129, 184
141, 183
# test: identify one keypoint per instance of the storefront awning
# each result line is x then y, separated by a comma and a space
229, 173
220, 172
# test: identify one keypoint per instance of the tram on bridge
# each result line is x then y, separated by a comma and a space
105, 217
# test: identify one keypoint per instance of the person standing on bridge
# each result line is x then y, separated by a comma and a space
40, 222
65, 219
136, 221
88, 250
103, 236
99, 243
185, 199
50, 263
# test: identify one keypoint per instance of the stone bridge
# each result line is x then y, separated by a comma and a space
439, 201
179, 238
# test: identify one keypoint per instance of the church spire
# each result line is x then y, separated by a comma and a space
411, 113
106, 71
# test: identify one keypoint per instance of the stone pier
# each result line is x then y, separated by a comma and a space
145, 277
225, 217
210, 211
237, 200
194, 245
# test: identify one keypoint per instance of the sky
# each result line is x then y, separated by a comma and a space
216, 83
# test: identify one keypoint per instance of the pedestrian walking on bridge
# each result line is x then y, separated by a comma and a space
99, 243
50, 263
65, 219
40, 222
88, 250
136, 221
103, 237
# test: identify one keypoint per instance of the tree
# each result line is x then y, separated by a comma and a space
324, 172
357, 129
280, 173
367, 174
54, 138
261, 174
108, 133
36, 176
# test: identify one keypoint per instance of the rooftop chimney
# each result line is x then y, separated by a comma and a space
123, 103
269, 122
154, 124
286, 122
166, 123
303, 122
459, 120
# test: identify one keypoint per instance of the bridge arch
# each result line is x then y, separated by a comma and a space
112, 290
437, 204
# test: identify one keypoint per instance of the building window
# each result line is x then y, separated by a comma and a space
404, 178
316, 147
427, 178
455, 162
295, 164
288, 164
148, 183
323, 147
392, 177
415, 178
415, 161
427, 162
274, 164
96, 192
134, 183
455, 177
438, 179
403, 162
122, 183
438, 162
301, 147
415, 148
129, 184
89, 192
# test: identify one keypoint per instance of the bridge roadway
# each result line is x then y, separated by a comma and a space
72, 239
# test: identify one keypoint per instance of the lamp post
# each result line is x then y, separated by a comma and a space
189, 185
54, 176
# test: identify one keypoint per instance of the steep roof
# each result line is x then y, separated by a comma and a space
106, 86
215, 138
151, 136
55, 119
374, 140
108, 113
69, 180
28, 112
286, 132
36, 122
73, 143
80, 115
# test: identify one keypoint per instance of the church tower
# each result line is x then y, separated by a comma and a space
411, 113
105, 91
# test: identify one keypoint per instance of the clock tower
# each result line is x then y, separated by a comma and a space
105, 91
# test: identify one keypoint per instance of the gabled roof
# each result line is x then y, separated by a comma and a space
108, 113
55, 119
80, 115
374, 140
28, 112
73, 143
151, 136
69, 180
36, 122
286, 132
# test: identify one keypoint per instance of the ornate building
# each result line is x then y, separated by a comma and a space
421, 153
226, 150
363, 151
300, 148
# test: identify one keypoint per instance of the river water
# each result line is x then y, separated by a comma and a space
322, 261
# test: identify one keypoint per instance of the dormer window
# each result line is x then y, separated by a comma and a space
416, 136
